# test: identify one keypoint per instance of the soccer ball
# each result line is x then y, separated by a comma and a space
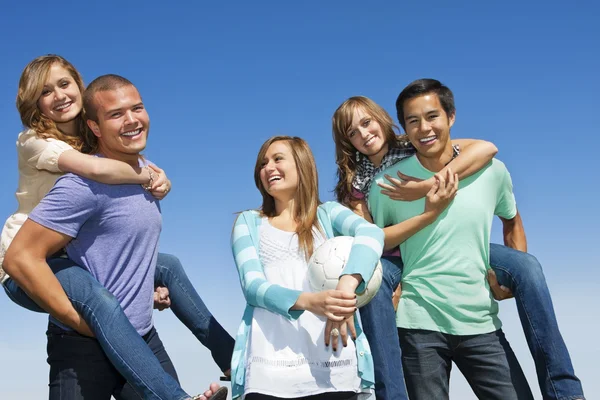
328, 261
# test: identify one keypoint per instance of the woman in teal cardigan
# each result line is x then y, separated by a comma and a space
279, 351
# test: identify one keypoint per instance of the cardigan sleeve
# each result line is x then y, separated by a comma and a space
257, 290
367, 245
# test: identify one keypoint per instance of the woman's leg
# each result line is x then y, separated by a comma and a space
190, 309
522, 273
379, 324
122, 344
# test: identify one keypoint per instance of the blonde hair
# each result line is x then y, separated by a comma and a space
345, 152
307, 194
31, 85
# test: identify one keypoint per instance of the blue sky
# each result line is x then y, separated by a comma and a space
218, 78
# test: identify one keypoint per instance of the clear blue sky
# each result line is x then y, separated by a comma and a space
218, 78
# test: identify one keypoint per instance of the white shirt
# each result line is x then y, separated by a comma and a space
38, 171
288, 358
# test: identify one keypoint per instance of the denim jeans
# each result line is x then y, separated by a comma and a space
122, 344
189, 308
379, 324
522, 273
486, 360
79, 368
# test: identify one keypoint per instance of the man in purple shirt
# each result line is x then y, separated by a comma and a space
112, 232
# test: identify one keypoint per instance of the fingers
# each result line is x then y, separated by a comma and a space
342, 295
328, 327
351, 327
344, 334
408, 178
394, 181
385, 186
492, 279
335, 338
434, 188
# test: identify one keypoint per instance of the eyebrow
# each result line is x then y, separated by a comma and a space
363, 119
435, 110
141, 103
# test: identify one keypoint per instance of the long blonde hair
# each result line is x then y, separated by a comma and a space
307, 194
345, 152
31, 85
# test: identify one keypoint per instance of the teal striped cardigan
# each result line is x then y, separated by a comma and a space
335, 220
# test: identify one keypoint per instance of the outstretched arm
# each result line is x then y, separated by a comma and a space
474, 155
25, 262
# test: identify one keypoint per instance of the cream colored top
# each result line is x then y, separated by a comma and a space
38, 171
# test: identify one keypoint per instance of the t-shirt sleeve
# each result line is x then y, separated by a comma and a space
65, 209
43, 154
506, 205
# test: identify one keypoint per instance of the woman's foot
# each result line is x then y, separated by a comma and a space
214, 393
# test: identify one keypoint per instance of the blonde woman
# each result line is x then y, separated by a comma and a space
293, 343
50, 104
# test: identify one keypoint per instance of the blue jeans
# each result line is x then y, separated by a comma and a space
122, 344
189, 308
379, 324
522, 273
79, 368
486, 360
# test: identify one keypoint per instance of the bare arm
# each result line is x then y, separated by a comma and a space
25, 262
398, 233
474, 155
103, 170
514, 233
360, 208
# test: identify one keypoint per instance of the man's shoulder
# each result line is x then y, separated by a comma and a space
495, 169
70, 180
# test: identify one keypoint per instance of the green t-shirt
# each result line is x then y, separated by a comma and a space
444, 285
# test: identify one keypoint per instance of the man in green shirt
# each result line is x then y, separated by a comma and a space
447, 312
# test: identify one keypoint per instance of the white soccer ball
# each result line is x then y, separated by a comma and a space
328, 261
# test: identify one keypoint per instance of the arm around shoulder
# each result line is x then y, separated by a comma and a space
103, 170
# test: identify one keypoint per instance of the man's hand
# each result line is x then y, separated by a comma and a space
396, 296
499, 292
161, 298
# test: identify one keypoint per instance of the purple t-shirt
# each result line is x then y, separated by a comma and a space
115, 231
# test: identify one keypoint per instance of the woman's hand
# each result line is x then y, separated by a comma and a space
441, 193
336, 305
161, 185
405, 188
335, 330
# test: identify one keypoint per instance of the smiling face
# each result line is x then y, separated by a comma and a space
427, 125
60, 99
278, 173
123, 123
366, 135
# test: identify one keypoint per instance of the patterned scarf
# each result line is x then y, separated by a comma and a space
366, 170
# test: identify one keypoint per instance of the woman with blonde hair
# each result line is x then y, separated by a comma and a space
54, 142
279, 349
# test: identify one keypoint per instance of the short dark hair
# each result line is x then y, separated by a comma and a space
102, 83
422, 87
